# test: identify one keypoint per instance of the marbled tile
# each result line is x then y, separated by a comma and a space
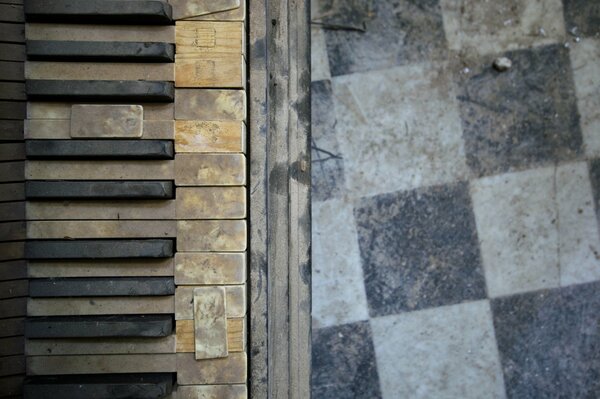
419, 249
585, 61
523, 117
487, 27
398, 129
582, 17
338, 287
446, 352
318, 52
398, 32
549, 342
343, 363
327, 161
536, 229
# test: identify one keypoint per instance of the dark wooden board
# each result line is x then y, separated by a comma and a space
13, 289
59, 50
101, 286
98, 249
105, 149
11, 32
12, 365
12, 52
13, 110
12, 327
12, 346
125, 189
12, 71
11, 12
100, 90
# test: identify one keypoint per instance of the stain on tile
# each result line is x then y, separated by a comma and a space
419, 249
446, 352
521, 118
397, 32
343, 363
549, 342
327, 161
582, 17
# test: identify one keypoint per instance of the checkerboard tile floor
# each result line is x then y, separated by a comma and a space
456, 209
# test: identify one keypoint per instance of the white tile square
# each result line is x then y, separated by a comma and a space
488, 27
338, 294
318, 55
398, 129
585, 62
536, 229
445, 352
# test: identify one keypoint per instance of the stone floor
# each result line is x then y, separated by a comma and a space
456, 245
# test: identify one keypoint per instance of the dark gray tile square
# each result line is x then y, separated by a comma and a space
419, 249
521, 118
595, 180
343, 363
327, 162
582, 17
397, 32
549, 342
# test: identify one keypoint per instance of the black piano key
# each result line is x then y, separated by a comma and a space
98, 249
150, 12
100, 90
101, 286
107, 149
47, 50
99, 386
117, 326
119, 189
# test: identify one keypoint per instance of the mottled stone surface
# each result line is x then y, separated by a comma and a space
232, 369
397, 32
582, 17
522, 117
319, 69
210, 322
327, 163
193, 8
343, 363
419, 249
212, 392
446, 352
211, 203
549, 342
102, 121
200, 268
211, 235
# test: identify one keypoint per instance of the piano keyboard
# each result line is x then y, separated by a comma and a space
127, 261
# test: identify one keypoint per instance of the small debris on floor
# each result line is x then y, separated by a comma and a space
502, 64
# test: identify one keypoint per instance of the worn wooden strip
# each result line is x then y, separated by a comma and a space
228, 391
210, 70
99, 71
12, 191
61, 287
12, 52
12, 346
101, 364
211, 203
210, 105
107, 149
49, 230
11, 387
122, 268
11, 130
190, 8
210, 169
100, 90
210, 322
10, 32
12, 211
195, 37
12, 231
57, 110
12, 365
99, 33
12, 91
98, 170
210, 136
228, 370
13, 270
199, 268
12, 251
12, 151
13, 289
106, 121
96, 249
61, 129
96, 346
10, 70
139, 386
11, 172
100, 306
211, 235
120, 189
236, 335
236, 14
12, 327
92, 11
119, 326
12, 13
184, 302
12, 110
61, 50
99, 210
